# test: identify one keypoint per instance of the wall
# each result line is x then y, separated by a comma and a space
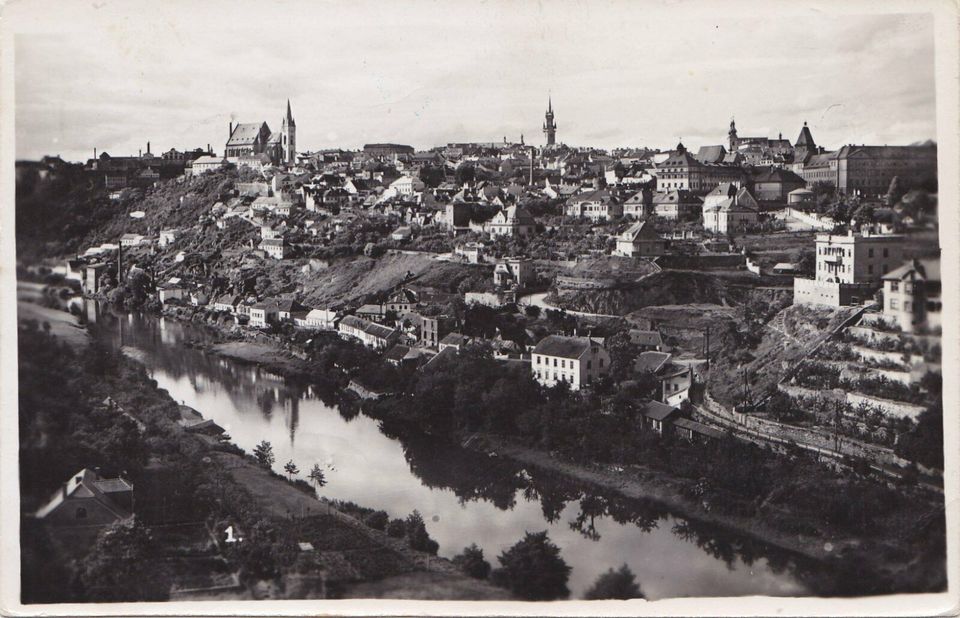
887, 406
811, 219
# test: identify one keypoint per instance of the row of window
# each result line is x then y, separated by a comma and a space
564, 363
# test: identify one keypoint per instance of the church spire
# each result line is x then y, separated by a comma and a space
549, 125
289, 118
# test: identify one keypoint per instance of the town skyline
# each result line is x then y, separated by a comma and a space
645, 84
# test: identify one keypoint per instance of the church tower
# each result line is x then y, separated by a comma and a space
289, 133
732, 134
549, 126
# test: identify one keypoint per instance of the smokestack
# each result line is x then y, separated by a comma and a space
148, 147
94, 153
231, 130
140, 152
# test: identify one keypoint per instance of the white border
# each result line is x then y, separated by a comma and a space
35, 16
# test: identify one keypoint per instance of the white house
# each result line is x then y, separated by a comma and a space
132, 240
318, 319
274, 247
368, 333
577, 361
640, 239
734, 213
407, 185
511, 221
206, 164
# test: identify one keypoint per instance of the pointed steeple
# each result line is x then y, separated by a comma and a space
289, 117
550, 103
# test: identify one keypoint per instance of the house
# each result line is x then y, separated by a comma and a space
206, 164
268, 311
912, 295
775, 184
640, 239
736, 212
171, 291
167, 237
517, 271
131, 240
374, 313
511, 221
434, 329
227, 302
369, 334
319, 319
88, 499
407, 185
675, 383
647, 340
471, 251
402, 301
639, 205
849, 268
576, 361
676, 205
657, 416
597, 205
276, 248
455, 341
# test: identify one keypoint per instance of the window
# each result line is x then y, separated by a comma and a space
538, 360
894, 286
589, 364
554, 364
81, 513
869, 252
601, 363
870, 269
894, 304
886, 253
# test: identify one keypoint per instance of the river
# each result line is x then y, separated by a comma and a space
464, 497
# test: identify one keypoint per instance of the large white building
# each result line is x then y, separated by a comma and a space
577, 361
849, 268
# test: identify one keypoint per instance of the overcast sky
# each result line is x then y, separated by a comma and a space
427, 73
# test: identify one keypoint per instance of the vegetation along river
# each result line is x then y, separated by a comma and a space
465, 497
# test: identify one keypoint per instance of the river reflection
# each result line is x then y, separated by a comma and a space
464, 496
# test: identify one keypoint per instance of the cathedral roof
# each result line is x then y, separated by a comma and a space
246, 134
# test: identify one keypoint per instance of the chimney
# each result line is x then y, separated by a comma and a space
231, 130
140, 152
148, 147
94, 153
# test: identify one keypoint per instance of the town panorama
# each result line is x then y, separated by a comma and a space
507, 370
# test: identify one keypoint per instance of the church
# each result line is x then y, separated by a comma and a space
253, 139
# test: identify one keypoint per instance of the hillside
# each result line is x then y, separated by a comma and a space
662, 288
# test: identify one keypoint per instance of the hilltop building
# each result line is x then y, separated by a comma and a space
248, 140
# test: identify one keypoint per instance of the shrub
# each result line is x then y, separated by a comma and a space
533, 569
619, 584
396, 528
471, 562
377, 520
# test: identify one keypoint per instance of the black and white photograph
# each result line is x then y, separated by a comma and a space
516, 302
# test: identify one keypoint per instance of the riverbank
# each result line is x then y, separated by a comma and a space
882, 556
386, 566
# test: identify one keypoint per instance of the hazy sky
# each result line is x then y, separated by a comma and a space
427, 73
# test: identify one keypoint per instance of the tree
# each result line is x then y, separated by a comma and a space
291, 469
377, 520
123, 567
471, 562
316, 476
417, 536
396, 528
619, 584
264, 454
533, 569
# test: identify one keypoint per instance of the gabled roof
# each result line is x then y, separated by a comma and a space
641, 228
246, 134
377, 330
917, 270
650, 361
677, 196
711, 154
88, 484
657, 411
